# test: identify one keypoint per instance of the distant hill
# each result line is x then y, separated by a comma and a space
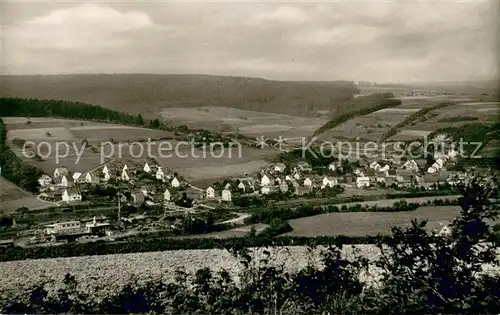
146, 94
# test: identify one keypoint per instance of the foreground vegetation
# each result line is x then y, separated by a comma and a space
420, 272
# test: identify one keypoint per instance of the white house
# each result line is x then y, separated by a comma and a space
265, 190
410, 165
228, 186
331, 167
77, 177
241, 186
226, 195
431, 170
210, 192
72, 195
160, 174
359, 173
445, 231
280, 167
437, 166
45, 180
125, 176
440, 162
175, 182
296, 175
452, 154
307, 182
147, 168
362, 181
329, 182
106, 177
125, 167
384, 169
375, 165
60, 171
166, 195
90, 179
64, 182
105, 170
265, 181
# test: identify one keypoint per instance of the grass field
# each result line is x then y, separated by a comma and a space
9, 191
246, 122
486, 112
369, 223
192, 164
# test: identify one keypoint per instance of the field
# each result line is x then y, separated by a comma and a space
369, 223
250, 123
9, 191
91, 272
450, 116
193, 164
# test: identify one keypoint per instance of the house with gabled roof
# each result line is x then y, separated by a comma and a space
175, 183
266, 180
160, 175
332, 167
307, 182
71, 195
105, 170
60, 171
124, 176
166, 195
91, 178
146, 168
210, 192
362, 181
279, 167
77, 177
226, 195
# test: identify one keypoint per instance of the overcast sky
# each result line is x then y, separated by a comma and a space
379, 41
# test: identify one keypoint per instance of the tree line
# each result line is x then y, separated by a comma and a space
13, 168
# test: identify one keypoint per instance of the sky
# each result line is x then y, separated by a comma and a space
380, 41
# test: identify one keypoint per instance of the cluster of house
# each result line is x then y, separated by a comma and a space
68, 184
302, 180
271, 180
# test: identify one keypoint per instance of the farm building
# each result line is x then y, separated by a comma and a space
97, 228
329, 182
284, 187
147, 168
105, 170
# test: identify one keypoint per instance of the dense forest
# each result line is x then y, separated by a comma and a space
57, 108
149, 94
13, 168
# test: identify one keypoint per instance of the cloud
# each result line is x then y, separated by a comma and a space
284, 15
374, 40
85, 26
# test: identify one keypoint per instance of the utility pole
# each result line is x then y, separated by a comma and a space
119, 209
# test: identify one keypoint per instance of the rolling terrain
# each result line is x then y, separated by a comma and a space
148, 94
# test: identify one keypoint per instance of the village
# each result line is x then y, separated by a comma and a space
130, 184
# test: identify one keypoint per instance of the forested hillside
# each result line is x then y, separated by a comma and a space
358, 107
146, 94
